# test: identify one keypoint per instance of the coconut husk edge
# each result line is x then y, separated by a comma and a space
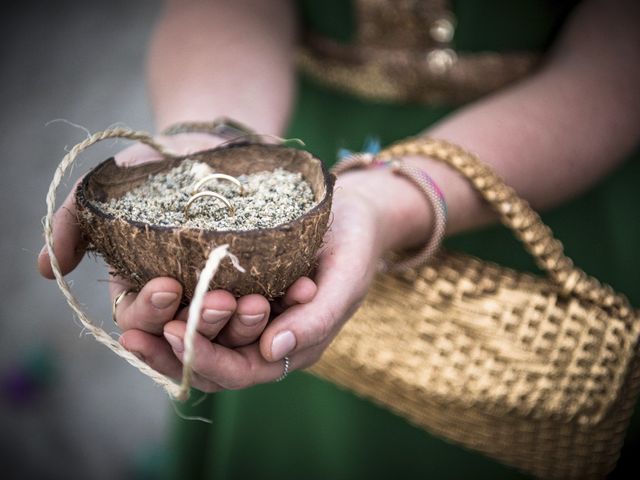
273, 257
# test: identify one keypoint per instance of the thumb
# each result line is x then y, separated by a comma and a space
342, 285
67, 239
68, 243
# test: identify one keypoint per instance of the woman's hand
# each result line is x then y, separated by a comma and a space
157, 303
235, 345
235, 359
363, 226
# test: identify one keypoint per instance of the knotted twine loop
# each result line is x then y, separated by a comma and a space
178, 392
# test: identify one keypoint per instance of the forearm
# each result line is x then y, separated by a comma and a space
551, 136
223, 58
556, 134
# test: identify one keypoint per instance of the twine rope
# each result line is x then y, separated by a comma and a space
175, 391
208, 272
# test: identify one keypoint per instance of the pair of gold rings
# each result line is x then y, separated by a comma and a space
198, 194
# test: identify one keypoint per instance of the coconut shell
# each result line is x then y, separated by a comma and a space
273, 257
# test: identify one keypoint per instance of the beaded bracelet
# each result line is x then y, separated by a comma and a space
426, 185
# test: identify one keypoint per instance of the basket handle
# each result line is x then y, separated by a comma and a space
516, 214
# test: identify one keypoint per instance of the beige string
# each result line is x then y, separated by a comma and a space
179, 392
207, 274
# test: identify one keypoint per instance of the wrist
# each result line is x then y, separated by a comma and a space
404, 218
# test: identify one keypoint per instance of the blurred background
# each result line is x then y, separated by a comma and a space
69, 408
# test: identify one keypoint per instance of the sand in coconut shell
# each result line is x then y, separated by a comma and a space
270, 198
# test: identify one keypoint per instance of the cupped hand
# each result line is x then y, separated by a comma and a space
236, 344
157, 303
143, 315
312, 312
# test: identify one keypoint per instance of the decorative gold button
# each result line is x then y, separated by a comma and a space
442, 30
441, 59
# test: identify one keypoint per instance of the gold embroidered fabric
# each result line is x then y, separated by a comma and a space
403, 53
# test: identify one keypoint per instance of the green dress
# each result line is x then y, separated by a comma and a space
306, 428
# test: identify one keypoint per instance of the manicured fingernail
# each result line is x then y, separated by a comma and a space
282, 344
162, 300
251, 320
211, 315
174, 341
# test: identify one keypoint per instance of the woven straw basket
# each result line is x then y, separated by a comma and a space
541, 373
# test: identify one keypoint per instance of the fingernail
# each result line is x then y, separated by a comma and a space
43, 251
211, 315
251, 320
174, 341
282, 344
162, 300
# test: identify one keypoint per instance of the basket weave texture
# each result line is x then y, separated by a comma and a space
541, 373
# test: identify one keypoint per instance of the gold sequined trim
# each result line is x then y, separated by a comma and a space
437, 76
403, 51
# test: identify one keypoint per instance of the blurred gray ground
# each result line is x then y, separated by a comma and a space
94, 416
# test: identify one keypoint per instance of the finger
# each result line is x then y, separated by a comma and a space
152, 350
68, 243
152, 307
248, 323
217, 308
119, 286
230, 368
302, 291
157, 353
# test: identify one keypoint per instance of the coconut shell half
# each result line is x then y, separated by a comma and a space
272, 257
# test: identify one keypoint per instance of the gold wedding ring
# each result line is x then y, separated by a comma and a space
116, 301
217, 176
286, 363
207, 193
